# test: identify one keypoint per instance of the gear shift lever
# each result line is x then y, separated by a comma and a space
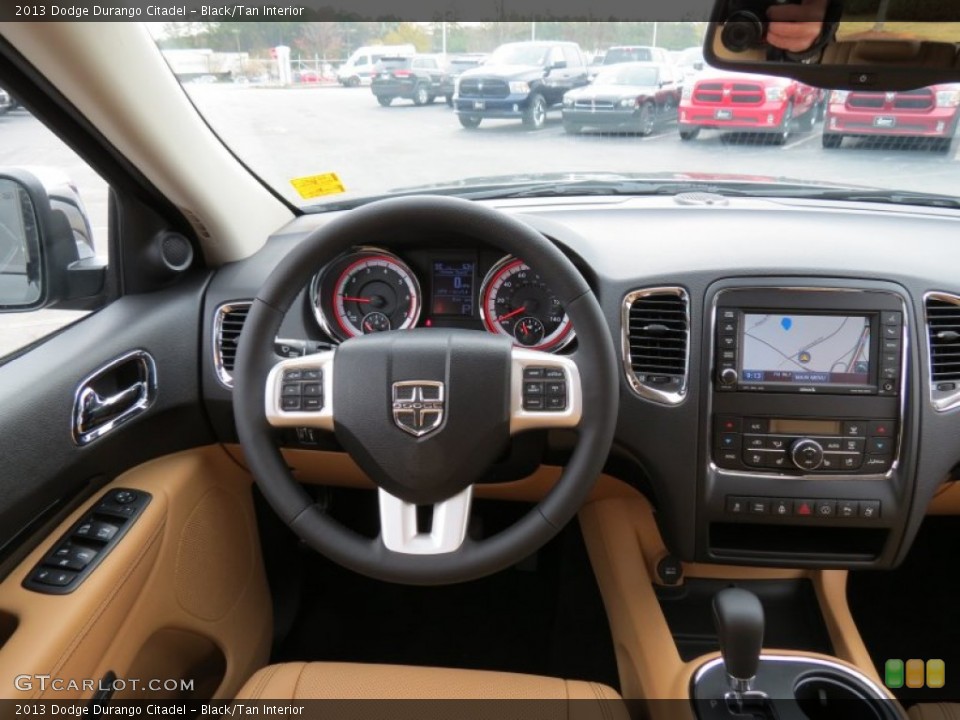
738, 618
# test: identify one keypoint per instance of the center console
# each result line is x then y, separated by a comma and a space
807, 435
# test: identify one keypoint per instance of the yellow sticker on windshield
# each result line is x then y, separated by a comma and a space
317, 185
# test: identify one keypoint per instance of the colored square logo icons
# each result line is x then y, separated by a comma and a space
936, 673
914, 673
893, 674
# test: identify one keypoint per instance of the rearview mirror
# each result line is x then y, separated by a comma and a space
46, 245
843, 44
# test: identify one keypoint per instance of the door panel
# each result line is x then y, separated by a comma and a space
182, 595
43, 469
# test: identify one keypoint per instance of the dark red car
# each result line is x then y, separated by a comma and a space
742, 102
929, 112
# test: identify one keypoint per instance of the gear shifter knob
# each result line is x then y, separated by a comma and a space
738, 617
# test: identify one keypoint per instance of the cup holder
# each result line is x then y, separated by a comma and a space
832, 696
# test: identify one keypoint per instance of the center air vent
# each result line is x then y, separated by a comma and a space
656, 343
943, 335
227, 325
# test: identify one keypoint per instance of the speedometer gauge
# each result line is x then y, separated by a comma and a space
365, 292
514, 301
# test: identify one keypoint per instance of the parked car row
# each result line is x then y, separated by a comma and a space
527, 80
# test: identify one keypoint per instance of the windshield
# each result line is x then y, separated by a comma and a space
627, 75
324, 134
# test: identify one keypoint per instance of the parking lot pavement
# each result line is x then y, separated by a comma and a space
289, 133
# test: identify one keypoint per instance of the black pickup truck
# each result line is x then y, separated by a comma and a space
520, 80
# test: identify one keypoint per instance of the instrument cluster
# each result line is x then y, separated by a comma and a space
371, 290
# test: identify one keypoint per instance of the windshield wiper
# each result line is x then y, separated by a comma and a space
668, 188
734, 189
600, 187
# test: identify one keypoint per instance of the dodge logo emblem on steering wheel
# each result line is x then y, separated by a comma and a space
418, 406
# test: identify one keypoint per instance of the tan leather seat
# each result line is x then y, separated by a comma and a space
935, 711
350, 681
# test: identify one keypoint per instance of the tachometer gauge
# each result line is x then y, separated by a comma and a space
364, 292
514, 301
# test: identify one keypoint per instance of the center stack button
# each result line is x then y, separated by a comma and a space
806, 454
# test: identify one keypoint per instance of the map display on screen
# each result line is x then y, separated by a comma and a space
805, 349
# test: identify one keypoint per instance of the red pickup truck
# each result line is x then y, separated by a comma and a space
743, 102
929, 112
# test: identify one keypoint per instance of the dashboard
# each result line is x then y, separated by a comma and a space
788, 403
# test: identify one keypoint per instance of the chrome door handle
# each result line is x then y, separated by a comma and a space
96, 414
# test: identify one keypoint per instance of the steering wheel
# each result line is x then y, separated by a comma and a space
424, 412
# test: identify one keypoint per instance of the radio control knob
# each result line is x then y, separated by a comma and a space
728, 376
806, 454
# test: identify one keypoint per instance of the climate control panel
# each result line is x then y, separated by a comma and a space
805, 445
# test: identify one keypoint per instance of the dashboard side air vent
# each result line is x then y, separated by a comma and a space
943, 342
656, 343
227, 324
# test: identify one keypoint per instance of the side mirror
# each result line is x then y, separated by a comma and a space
46, 245
558, 65
873, 44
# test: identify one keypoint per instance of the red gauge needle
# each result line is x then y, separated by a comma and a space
356, 299
368, 326
512, 314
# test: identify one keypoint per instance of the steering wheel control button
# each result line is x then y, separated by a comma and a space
555, 403
806, 454
556, 388
544, 389
78, 552
301, 390
534, 403
531, 389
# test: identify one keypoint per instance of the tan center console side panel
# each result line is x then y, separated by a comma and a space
191, 564
624, 545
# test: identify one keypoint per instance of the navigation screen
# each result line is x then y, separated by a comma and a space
453, 288
806, 349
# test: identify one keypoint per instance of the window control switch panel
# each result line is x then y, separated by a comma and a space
78, 552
